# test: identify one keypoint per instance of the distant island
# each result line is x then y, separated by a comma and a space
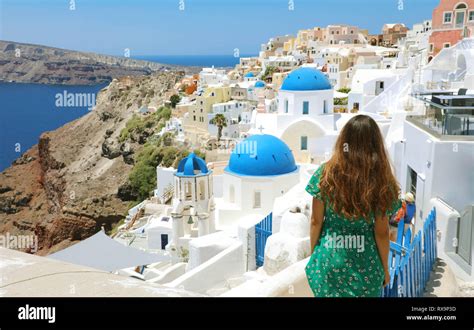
27, 63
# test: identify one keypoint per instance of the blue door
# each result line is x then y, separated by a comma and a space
263, 230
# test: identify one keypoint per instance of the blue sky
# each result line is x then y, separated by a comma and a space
158, 27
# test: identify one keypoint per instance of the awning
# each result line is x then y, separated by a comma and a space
102, 252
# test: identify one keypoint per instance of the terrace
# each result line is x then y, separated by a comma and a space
447, 115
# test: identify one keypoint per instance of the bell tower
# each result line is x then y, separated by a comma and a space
193, 205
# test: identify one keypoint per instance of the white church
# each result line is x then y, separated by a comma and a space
305, 120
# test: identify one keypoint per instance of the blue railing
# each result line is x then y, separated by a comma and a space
411, 260
263, 230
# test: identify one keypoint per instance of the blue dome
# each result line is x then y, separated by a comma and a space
249, 75
261, 155
306, 79
192, 166
259, 84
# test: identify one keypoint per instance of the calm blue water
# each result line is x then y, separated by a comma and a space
27, 110
194, 60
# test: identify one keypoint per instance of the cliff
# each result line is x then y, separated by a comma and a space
27, 63
65, 188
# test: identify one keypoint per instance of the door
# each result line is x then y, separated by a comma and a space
465, 234
460, 19
419, 199
304, 143
164, 241
379, 87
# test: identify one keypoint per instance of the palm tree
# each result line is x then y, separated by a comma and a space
220, 121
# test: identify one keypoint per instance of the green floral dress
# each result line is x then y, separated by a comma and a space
345, 261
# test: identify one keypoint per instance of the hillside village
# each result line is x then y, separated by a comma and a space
230, 217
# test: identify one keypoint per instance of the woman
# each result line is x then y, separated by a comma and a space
354, 193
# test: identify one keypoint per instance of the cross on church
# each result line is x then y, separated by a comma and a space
261, 128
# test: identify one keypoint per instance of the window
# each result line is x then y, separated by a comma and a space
232, 194
325, 106
471, 15
431, 48
257, 202
448, 17
305, 107
304, 143
286, 106
202, 190
188, 191
446, 45
194, 118
461, 6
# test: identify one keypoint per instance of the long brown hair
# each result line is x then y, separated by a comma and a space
358, 179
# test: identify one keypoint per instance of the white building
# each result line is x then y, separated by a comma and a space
367, 84
233, 112
261, 168
212, 76
305, 119
435, 161
284, 63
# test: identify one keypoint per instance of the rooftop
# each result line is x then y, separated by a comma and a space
26, 275
306, 79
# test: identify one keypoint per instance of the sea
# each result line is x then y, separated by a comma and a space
195, 60
28, 110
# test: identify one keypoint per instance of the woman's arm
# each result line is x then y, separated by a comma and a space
382, 233
317, 217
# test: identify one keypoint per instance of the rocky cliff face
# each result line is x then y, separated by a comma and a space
65, 188
40, 64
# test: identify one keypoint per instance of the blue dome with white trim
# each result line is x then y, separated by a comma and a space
306, 79
259, 84
249, 75
261, 155
192, 165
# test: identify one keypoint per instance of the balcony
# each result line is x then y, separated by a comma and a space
447, 115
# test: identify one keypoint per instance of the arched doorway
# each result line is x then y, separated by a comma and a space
302, 137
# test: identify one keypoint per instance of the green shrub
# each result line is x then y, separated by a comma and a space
158, 151
344, 90
137, 124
